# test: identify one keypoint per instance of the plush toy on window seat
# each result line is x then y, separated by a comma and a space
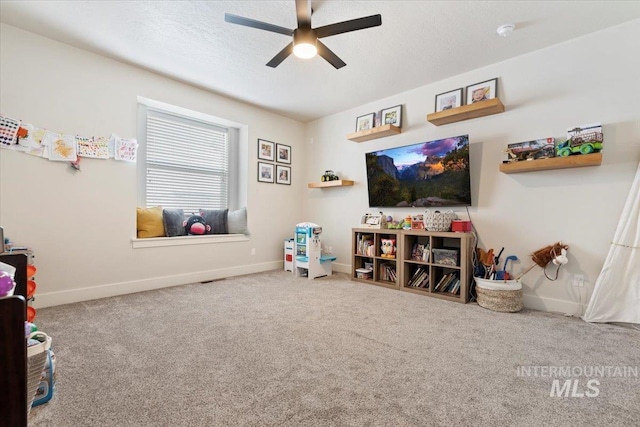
195, 224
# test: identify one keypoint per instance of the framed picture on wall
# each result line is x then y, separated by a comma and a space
266, 150
449, 100
482, 91
283, 175
365, 122
283, 153
392, 116
265, 172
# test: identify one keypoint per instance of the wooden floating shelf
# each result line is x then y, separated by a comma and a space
336, 183
576, 161
466, 112
373, 133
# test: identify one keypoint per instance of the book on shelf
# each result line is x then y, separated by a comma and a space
388, 272
420, 252
365, 244
447, 283
456, 288
420, 278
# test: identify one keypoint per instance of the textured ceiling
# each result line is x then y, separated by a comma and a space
419, 42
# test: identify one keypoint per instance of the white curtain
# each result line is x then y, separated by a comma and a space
616, 296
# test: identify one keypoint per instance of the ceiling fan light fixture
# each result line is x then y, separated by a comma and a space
304, 44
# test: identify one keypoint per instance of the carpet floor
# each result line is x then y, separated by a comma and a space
271, 349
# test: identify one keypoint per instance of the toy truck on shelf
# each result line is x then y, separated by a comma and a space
584, 143
329, 175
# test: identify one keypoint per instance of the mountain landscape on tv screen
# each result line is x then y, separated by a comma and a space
428, 174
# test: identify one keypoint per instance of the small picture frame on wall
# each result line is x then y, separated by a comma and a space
265, 172
392, 116
449, 100
266, 150
365, 122
283, 175
482, 91
283, 153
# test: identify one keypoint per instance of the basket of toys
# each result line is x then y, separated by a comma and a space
38, 346
499, 295
438, 221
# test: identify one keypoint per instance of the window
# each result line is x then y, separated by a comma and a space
187, 160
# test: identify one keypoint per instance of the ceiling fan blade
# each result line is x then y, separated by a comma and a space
235, 19
351, 25
281, 56
331, 57
303, 13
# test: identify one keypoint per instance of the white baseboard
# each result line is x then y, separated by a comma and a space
341, 268
552, 305
113, 289
50, 299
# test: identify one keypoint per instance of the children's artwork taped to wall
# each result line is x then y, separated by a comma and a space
126, 149
8, 131
97, 148
29, 139
62, 148
31, 143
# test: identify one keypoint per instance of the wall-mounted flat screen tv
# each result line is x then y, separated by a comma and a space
427, 174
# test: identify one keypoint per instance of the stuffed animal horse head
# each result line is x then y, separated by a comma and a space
561, 259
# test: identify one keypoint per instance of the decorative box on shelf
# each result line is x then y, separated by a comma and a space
445, 257
364, 273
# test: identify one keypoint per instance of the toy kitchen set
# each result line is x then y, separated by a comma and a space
309, 260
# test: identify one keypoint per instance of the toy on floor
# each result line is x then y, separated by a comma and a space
309, 260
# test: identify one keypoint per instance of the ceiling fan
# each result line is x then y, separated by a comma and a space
306, 41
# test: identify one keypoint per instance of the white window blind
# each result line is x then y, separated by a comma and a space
187, 163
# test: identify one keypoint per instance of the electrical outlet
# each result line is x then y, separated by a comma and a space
578, 280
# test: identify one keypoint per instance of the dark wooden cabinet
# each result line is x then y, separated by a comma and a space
19, 261
13, 362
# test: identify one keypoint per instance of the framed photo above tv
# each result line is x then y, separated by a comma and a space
365, 122
449, 100
482, 91
392, 116
426, 174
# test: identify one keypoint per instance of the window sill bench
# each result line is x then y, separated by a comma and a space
155, 242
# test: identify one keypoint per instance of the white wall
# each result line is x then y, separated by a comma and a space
80, 224
595, 78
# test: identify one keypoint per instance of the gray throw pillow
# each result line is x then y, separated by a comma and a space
173, 220
216, 219
237, 221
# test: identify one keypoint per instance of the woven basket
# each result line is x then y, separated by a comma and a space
498, 295
36, 360
438, 221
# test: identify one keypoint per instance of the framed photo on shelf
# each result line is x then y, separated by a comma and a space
265, 172
283, 153
266, 150
449, 100
365, 122
392, 116
283, 175
482, 91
